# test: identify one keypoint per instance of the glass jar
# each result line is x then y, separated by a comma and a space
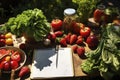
99, 14
70, 18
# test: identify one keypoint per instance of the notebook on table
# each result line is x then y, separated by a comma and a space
47, 63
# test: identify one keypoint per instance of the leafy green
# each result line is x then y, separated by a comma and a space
85, 8
106, 58
33, 23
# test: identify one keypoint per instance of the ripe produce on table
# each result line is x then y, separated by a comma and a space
56, 24
85, 32
32, 24
11, 60
6, 39
100, 54
106, 58
24, 71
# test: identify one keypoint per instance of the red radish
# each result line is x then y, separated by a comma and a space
51, 36
58, 33
81, 51
63, 42
73, 38
24, 71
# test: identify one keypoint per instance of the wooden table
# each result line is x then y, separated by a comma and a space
78, 74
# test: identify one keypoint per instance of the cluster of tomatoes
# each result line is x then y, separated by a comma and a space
6, 39
10, 61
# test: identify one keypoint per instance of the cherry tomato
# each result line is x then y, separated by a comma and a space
9, 41
14, 64
2, 42
2, 36
5, 65
8, 35
7, 58
85, 32
56, 24
16, 56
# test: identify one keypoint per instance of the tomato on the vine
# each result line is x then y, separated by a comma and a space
85, 32
16, 56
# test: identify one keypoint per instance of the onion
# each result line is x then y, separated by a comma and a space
47, 42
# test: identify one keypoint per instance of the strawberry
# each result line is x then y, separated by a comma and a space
81, 51
24, 71
58, 33
79, 40
63, 42
79, 37
67, 37
73, 38
74, 48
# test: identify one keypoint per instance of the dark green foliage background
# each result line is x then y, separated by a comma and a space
51, 8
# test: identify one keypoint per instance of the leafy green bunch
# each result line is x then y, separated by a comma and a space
106, 58
33, 23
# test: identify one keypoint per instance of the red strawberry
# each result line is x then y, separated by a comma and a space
73, 38
67, 37
63, 42
79, 40
74, 48
58, 33
79, 37
81, 51
24, 71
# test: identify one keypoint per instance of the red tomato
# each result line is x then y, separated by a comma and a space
5, 65
2, 52
85, 32
92, 41
2, 42
56, 24
14, 64
16, 56
2, 36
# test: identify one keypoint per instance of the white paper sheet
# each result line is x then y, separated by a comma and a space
44, 63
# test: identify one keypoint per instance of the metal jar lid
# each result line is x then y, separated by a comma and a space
69, 11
